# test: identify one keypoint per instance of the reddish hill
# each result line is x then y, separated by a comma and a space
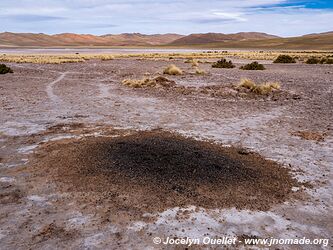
69, 39
321, 41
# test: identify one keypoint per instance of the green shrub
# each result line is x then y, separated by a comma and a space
4, 69
284, 59
223, 63
253, 66
312, 60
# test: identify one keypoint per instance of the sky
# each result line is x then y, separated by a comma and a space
279, 17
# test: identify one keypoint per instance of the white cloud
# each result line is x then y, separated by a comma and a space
161, 16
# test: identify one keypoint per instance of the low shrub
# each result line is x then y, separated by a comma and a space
223, 63
326, 60
172, 70
312, 60
284, 59
329, 61
5, 69
253, 66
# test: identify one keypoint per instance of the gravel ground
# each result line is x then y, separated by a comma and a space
74, 112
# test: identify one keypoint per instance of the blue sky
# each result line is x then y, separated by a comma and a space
280, 17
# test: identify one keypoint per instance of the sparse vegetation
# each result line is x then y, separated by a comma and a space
193, 62
106, 57
261, 89
5, 69
199, 71
326, 60
76, 58
223, 63
284, 59
147, 82
312, 60
253, 66
247, 83
172, 70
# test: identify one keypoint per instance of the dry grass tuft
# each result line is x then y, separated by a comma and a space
147, 82
172, 70
199, 71
106, 57
193, 62
266, 88
261, 89
247, 83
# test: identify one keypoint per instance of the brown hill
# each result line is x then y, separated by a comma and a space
69, 39
142, 39
321, 41
195, 39
27, 39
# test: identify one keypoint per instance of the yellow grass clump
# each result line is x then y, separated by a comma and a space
106, 57
261, 89
192, 57
193, 62
266, 88
199, 71
147, 82
135, 83
172, 70
247, 83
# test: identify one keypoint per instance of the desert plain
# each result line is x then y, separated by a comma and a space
89, 162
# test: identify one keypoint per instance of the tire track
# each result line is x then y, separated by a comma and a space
49, 88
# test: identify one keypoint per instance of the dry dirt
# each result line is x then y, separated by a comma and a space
86, 162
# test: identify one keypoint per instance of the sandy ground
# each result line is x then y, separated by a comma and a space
48, 109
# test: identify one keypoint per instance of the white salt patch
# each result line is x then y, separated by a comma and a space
94, 240
137, 226
7, 179
36, 198
27, 149
61, 137
2, 235
227, 222
78, 220
21, 128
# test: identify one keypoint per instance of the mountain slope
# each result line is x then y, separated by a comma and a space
195, 39
321, 41
69, 39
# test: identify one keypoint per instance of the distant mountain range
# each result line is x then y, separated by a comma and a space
207, 40
70, 39
196, 39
